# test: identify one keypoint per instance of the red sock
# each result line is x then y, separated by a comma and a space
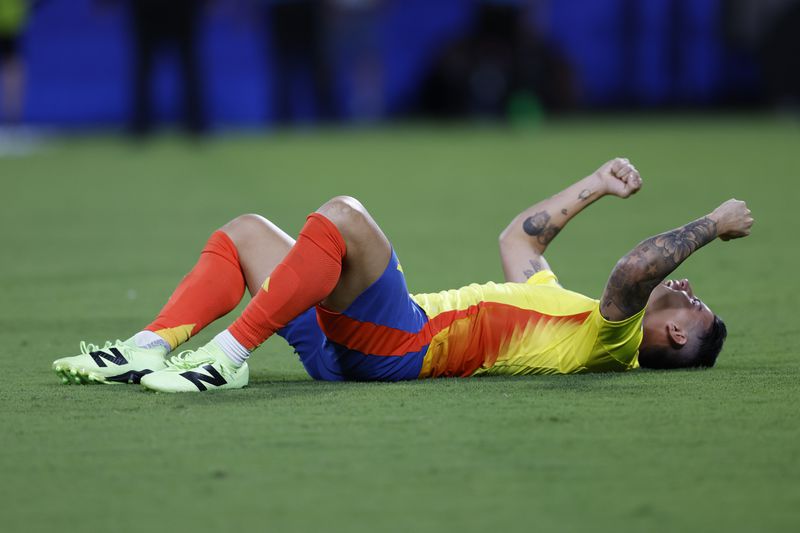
211, 289
308, 274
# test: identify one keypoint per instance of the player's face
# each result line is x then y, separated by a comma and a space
675, 300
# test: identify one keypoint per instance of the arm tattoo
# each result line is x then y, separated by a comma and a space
584, 195
643, 268
539, 226
535, 224
536, 266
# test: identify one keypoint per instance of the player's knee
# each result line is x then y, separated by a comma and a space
344, 211
244, 227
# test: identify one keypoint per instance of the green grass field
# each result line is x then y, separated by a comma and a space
96, 232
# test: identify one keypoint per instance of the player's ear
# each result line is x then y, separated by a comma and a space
676, 334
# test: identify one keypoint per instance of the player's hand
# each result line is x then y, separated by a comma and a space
619, 177
733, 220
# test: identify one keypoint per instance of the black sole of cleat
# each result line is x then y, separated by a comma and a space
133, 377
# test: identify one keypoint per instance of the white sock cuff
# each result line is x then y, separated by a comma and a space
237, 353
150, 340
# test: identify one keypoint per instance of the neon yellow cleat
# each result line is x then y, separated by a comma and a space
115, 362
207, 368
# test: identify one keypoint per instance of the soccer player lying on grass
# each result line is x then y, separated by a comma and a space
338, 296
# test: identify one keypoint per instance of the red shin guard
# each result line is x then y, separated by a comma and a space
210, 290
308, 274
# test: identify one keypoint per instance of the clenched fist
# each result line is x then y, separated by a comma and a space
733, 220
619, 177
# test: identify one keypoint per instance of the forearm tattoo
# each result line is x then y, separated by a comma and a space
644, 267
539, 226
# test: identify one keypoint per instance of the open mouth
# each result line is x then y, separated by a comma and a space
677, 285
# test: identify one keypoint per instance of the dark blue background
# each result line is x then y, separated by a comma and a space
79, 57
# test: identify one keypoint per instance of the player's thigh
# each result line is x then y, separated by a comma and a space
368, 250
261, 245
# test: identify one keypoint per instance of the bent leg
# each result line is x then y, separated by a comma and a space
338, 254
368, 250
243, 252
261, 245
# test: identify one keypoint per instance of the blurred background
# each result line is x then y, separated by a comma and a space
206, 66
132, 129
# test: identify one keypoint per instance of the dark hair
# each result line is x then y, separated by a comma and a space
710, 344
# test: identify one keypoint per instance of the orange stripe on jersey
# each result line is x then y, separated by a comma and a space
479, 334
461, 340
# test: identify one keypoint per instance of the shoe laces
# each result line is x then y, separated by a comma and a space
87, 347
189, 359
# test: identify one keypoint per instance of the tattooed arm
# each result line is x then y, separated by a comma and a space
643, 268
523, 242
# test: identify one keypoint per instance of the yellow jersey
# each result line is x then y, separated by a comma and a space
537, 327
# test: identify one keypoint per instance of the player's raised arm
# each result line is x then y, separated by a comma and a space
641, 270
526, 238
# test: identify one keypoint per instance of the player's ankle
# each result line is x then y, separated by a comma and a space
149, 340
236, 354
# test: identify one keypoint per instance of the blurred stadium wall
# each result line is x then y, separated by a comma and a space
607, 54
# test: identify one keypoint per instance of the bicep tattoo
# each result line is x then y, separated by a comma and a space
539, 226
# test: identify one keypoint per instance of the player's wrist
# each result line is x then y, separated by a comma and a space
597, 184
717, 220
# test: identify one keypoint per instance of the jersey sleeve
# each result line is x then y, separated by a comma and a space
544, 277
618, 341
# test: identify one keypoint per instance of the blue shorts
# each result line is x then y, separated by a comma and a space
372, 340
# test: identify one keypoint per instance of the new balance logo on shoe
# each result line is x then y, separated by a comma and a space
197, 378
114, 357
